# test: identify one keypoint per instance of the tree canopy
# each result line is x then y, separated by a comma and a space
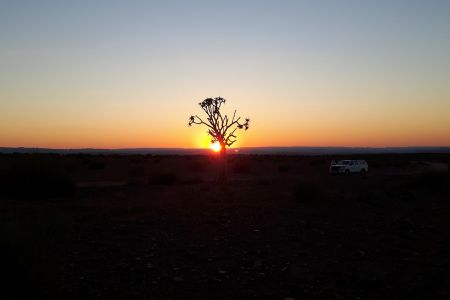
221, 128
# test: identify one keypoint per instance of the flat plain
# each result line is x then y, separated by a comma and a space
161, 227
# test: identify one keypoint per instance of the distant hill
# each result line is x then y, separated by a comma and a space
244, 150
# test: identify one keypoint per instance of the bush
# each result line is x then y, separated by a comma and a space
163, 178
35, 177
306, 191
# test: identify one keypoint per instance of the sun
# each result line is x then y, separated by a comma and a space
215, 146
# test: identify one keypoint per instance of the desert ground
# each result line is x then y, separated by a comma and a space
161, 227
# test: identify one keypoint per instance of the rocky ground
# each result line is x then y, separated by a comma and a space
281, 228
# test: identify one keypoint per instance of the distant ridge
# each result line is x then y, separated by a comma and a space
244, 150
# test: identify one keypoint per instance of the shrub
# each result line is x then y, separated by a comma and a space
35, 177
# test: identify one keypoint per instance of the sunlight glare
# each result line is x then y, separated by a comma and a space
215, 146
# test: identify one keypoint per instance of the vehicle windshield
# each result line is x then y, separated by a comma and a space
344, 162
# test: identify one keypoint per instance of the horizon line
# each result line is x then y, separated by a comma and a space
198, 148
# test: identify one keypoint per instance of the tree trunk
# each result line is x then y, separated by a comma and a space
223, 164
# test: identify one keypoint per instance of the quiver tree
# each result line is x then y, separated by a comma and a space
221, 128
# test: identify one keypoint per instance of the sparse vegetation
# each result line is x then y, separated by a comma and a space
35, 177
171, 232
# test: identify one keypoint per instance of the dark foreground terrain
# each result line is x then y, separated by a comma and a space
160, 227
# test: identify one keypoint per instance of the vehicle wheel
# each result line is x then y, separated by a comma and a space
363, 172
347, 172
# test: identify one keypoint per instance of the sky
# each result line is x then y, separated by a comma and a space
127, 74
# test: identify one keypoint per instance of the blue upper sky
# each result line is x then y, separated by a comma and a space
107, 73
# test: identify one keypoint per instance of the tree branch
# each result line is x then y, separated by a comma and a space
217, 123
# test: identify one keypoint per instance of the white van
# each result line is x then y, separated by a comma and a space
349, 166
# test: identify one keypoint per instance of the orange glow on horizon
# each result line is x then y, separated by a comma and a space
319, 130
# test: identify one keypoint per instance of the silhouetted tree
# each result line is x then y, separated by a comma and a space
221, 128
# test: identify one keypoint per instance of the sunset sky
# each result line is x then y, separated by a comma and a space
122, 74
